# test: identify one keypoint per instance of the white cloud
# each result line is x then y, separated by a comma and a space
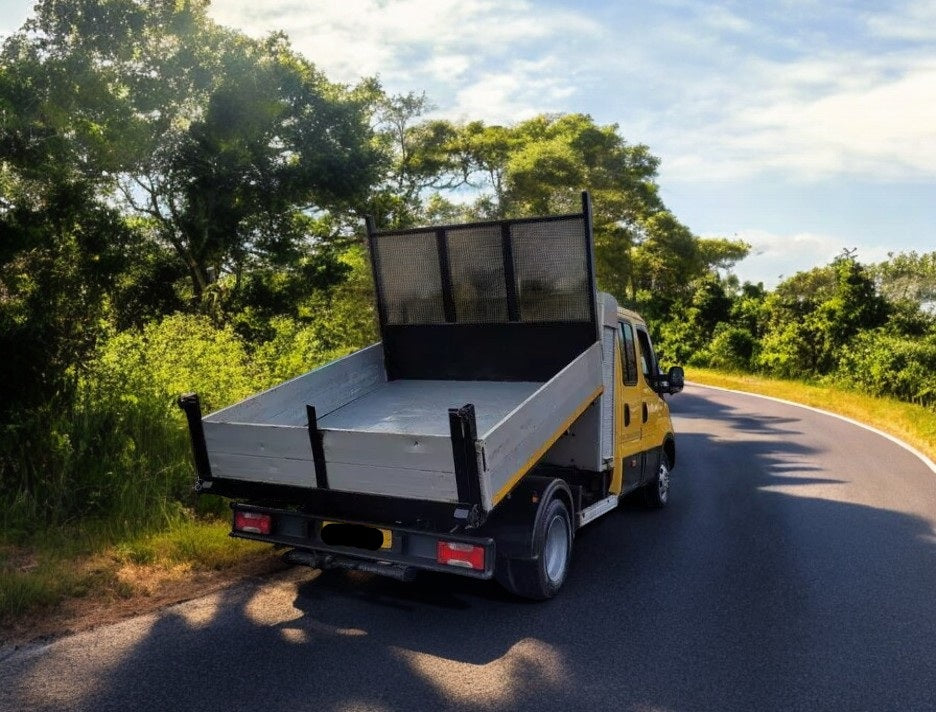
914, 21
814, 118
717, 93
775, 257
522, 90
405, 41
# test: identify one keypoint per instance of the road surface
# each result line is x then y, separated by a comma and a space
795, 569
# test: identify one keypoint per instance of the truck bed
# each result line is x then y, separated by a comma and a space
421, 407
393, 438
499, 315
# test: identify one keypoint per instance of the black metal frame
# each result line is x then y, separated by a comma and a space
510, 274
464, 433
397, 555
526, 350
445, 275
440, 232
318, 448
590, 259
191, 406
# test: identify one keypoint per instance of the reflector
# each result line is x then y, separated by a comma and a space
453, 553
252, 522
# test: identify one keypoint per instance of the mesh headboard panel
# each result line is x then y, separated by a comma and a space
484, 294
479, 287
410, 279
551, 267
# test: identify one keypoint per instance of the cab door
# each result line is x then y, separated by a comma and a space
630, 454
652, 408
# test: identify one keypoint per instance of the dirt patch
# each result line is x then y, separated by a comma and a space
137, 590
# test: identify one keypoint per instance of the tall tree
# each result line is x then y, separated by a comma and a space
541, 166
423, 158
813, 315
238, 151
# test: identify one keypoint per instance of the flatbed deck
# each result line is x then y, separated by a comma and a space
421, 407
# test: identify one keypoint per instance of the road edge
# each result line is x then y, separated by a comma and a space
894, 439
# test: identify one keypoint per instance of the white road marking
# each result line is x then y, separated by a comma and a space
897, 441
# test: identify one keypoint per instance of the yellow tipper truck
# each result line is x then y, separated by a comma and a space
507, 404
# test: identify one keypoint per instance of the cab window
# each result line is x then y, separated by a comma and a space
629, 354
647, 360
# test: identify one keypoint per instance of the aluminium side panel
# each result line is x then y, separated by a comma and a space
272, 454
509, 449
265, 438
327, 388
587, 444
608, 338
391, 464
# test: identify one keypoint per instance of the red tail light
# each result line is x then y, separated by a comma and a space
252, 522
467, 556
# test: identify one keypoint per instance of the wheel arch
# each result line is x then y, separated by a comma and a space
527, 506
669, 449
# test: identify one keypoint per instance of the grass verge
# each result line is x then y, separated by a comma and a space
47, 585
913, 424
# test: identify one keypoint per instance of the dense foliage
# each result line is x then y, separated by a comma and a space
181, 208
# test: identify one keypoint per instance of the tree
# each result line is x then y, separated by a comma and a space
813, 315
238, 151
423, 158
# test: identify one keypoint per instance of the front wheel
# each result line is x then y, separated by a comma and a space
656, 491
541, 577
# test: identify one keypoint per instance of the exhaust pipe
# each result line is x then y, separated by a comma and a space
326, 562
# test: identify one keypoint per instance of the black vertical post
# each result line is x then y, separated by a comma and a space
464, 432
375, 269
510, 275
318, 449
590, 259
191, 406
445, 274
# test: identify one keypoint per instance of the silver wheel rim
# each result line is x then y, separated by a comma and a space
663, 483
556, 551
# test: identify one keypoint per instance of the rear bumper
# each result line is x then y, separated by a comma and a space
398, 547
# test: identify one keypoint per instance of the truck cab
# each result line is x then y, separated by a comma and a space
646, 447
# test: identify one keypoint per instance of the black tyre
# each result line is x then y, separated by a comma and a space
656, 491
542, 577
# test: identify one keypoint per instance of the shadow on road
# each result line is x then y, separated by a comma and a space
736, 597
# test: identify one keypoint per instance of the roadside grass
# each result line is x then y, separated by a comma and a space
39, 576
913, 424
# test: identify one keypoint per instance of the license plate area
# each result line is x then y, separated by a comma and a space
357, 536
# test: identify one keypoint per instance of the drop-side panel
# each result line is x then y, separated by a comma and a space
393, 481
274, 454
413, 452
514, 445
268, 470
327, 388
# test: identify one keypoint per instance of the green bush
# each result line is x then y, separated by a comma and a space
119, 451
731, 349
884, 364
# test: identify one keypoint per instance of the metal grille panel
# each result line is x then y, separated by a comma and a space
551, 267
476, 261
410, 279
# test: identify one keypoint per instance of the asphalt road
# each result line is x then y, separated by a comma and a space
795, 569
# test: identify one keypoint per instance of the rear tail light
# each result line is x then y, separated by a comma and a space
252, 522
467, 556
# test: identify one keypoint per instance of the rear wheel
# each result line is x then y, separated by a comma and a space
656, 491
542, 577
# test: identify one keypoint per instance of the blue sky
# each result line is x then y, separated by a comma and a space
801, 126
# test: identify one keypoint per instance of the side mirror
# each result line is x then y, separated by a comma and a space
674, 381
